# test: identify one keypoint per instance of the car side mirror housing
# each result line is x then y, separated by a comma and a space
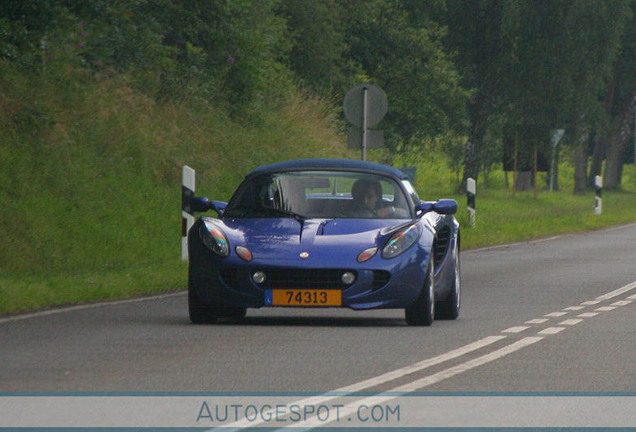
202, 204
446, 206
443, 206
424, 207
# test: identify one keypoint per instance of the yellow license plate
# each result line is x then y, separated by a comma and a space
299, 297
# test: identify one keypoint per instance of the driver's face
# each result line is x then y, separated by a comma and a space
370, 198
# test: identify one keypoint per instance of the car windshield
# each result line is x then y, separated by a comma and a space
320, 194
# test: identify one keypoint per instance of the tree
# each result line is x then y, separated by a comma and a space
620, 106
317, 51
400, 48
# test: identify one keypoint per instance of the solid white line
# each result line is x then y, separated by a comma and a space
471, 364
398, 373
381, 379
428, 381
85, 306
617, 292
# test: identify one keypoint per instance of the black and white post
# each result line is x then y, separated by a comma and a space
187, 218
471, 193
598, 185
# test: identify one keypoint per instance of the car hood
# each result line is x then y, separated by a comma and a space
276, 239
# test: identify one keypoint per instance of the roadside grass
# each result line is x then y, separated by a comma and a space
502, 217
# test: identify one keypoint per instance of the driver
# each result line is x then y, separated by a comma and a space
367, 199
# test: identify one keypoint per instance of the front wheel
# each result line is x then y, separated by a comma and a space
448, 309
200, 313
204, 313
422, 312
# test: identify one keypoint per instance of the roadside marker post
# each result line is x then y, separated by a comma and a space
187, 218
598, 185
471, 193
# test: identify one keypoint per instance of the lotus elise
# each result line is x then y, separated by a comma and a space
318, 233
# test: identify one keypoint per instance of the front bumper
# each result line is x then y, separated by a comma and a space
379, 283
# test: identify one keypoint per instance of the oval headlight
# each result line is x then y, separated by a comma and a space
401, 241
214, 239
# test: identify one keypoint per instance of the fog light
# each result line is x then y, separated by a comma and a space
259, 277
348, 278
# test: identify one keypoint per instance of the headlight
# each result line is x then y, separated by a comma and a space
401, 241
214, 239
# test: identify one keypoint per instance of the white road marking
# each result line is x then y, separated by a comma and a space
86, 306
471, 364
605, 308
571, 322
538, 321
518, 329
555, 314
591, 303
588, 314
551, 330
621, 303
574, 308
617, 292
398, 373
429, 380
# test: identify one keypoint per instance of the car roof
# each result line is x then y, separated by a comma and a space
331, 165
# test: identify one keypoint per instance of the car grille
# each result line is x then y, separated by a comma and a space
441, 244
304, 278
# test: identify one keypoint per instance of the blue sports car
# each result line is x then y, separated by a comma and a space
324, 233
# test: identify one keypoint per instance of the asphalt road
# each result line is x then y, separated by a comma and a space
550, 315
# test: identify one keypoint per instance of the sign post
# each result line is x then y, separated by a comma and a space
187, 218
471, 193
365, 106
598, 185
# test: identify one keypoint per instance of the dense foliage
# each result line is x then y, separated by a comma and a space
502, 73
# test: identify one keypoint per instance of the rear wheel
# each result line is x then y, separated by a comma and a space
422, 312
449, 309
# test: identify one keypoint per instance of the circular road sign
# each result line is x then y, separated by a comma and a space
376, 104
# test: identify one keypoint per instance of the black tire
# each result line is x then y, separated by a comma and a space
203, 313
422, 312
234, 314
448, 309
200, 313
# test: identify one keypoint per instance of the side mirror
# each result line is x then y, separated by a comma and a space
446, 206
424, 207
201, 204
443, 206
